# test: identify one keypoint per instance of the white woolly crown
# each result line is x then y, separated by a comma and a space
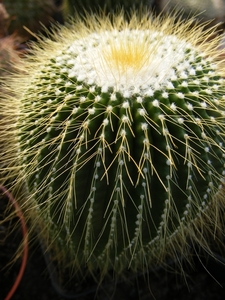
130, 61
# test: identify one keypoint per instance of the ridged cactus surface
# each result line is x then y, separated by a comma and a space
119, 130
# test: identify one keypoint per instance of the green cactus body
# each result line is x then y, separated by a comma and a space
29, 13
120, 134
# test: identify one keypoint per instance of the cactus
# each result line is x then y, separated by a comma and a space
116, 133
29, 13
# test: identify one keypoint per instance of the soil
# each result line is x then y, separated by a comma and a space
197, 283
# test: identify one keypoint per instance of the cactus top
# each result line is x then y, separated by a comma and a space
130, 61
121, 132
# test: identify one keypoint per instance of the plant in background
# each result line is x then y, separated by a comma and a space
70, 7
29, 13
10, 50
4, 21
115, 132
205, 10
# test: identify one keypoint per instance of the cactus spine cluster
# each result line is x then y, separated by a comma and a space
116, 130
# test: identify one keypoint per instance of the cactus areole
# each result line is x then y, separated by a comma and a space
120, 130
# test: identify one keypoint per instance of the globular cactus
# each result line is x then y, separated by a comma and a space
32, 14
116, 132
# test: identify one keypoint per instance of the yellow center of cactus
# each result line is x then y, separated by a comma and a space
127, 54
127, 60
